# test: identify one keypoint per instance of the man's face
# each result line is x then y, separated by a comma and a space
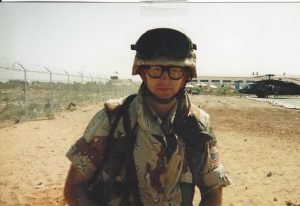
164, 86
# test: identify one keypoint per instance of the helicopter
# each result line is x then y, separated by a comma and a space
270, 86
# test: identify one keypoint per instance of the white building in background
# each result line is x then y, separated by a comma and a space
241, 80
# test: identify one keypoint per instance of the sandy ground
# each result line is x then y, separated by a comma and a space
259, 146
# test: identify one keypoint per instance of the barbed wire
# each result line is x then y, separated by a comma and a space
28, 92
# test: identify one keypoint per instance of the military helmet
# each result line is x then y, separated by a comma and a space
166, 47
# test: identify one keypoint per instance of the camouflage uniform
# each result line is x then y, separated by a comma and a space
160, 170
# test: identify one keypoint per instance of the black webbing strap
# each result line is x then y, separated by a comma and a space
123, 109
130, 142
121, 112
131, 169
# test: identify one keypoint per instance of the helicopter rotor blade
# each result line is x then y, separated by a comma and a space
294, 79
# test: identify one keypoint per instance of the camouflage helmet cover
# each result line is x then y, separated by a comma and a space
188, 62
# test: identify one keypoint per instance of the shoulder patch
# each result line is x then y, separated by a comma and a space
214, 155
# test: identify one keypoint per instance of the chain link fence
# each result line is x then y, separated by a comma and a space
28, 92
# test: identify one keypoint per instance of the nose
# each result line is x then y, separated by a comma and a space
165, 75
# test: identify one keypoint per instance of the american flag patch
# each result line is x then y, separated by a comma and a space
214, 156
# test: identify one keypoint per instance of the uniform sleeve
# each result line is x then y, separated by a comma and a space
212, 174
98, 126
87, 153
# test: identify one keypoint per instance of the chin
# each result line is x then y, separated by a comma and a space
165, 96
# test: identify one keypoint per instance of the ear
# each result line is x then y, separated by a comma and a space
142, 73
185, 79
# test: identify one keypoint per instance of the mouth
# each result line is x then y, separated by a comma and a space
164, 89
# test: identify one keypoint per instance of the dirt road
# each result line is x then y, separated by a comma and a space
259, 146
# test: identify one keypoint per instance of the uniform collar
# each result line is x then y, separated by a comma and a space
150, 122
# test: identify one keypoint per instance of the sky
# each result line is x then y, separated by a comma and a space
95, 38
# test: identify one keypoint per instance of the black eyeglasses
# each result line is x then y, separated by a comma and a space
174, 72
169, 42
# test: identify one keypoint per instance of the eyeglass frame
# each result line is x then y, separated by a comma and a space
165, 69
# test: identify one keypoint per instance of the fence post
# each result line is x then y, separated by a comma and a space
81, 86
68, 80
25, 87
51, 89
81, 75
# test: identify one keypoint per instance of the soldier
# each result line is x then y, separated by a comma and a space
163, 148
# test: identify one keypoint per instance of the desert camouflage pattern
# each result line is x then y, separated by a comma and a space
158, 176
189, 62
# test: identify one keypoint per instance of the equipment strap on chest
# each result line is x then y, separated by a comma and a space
119, 152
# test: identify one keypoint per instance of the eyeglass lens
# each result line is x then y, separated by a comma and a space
174, 73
